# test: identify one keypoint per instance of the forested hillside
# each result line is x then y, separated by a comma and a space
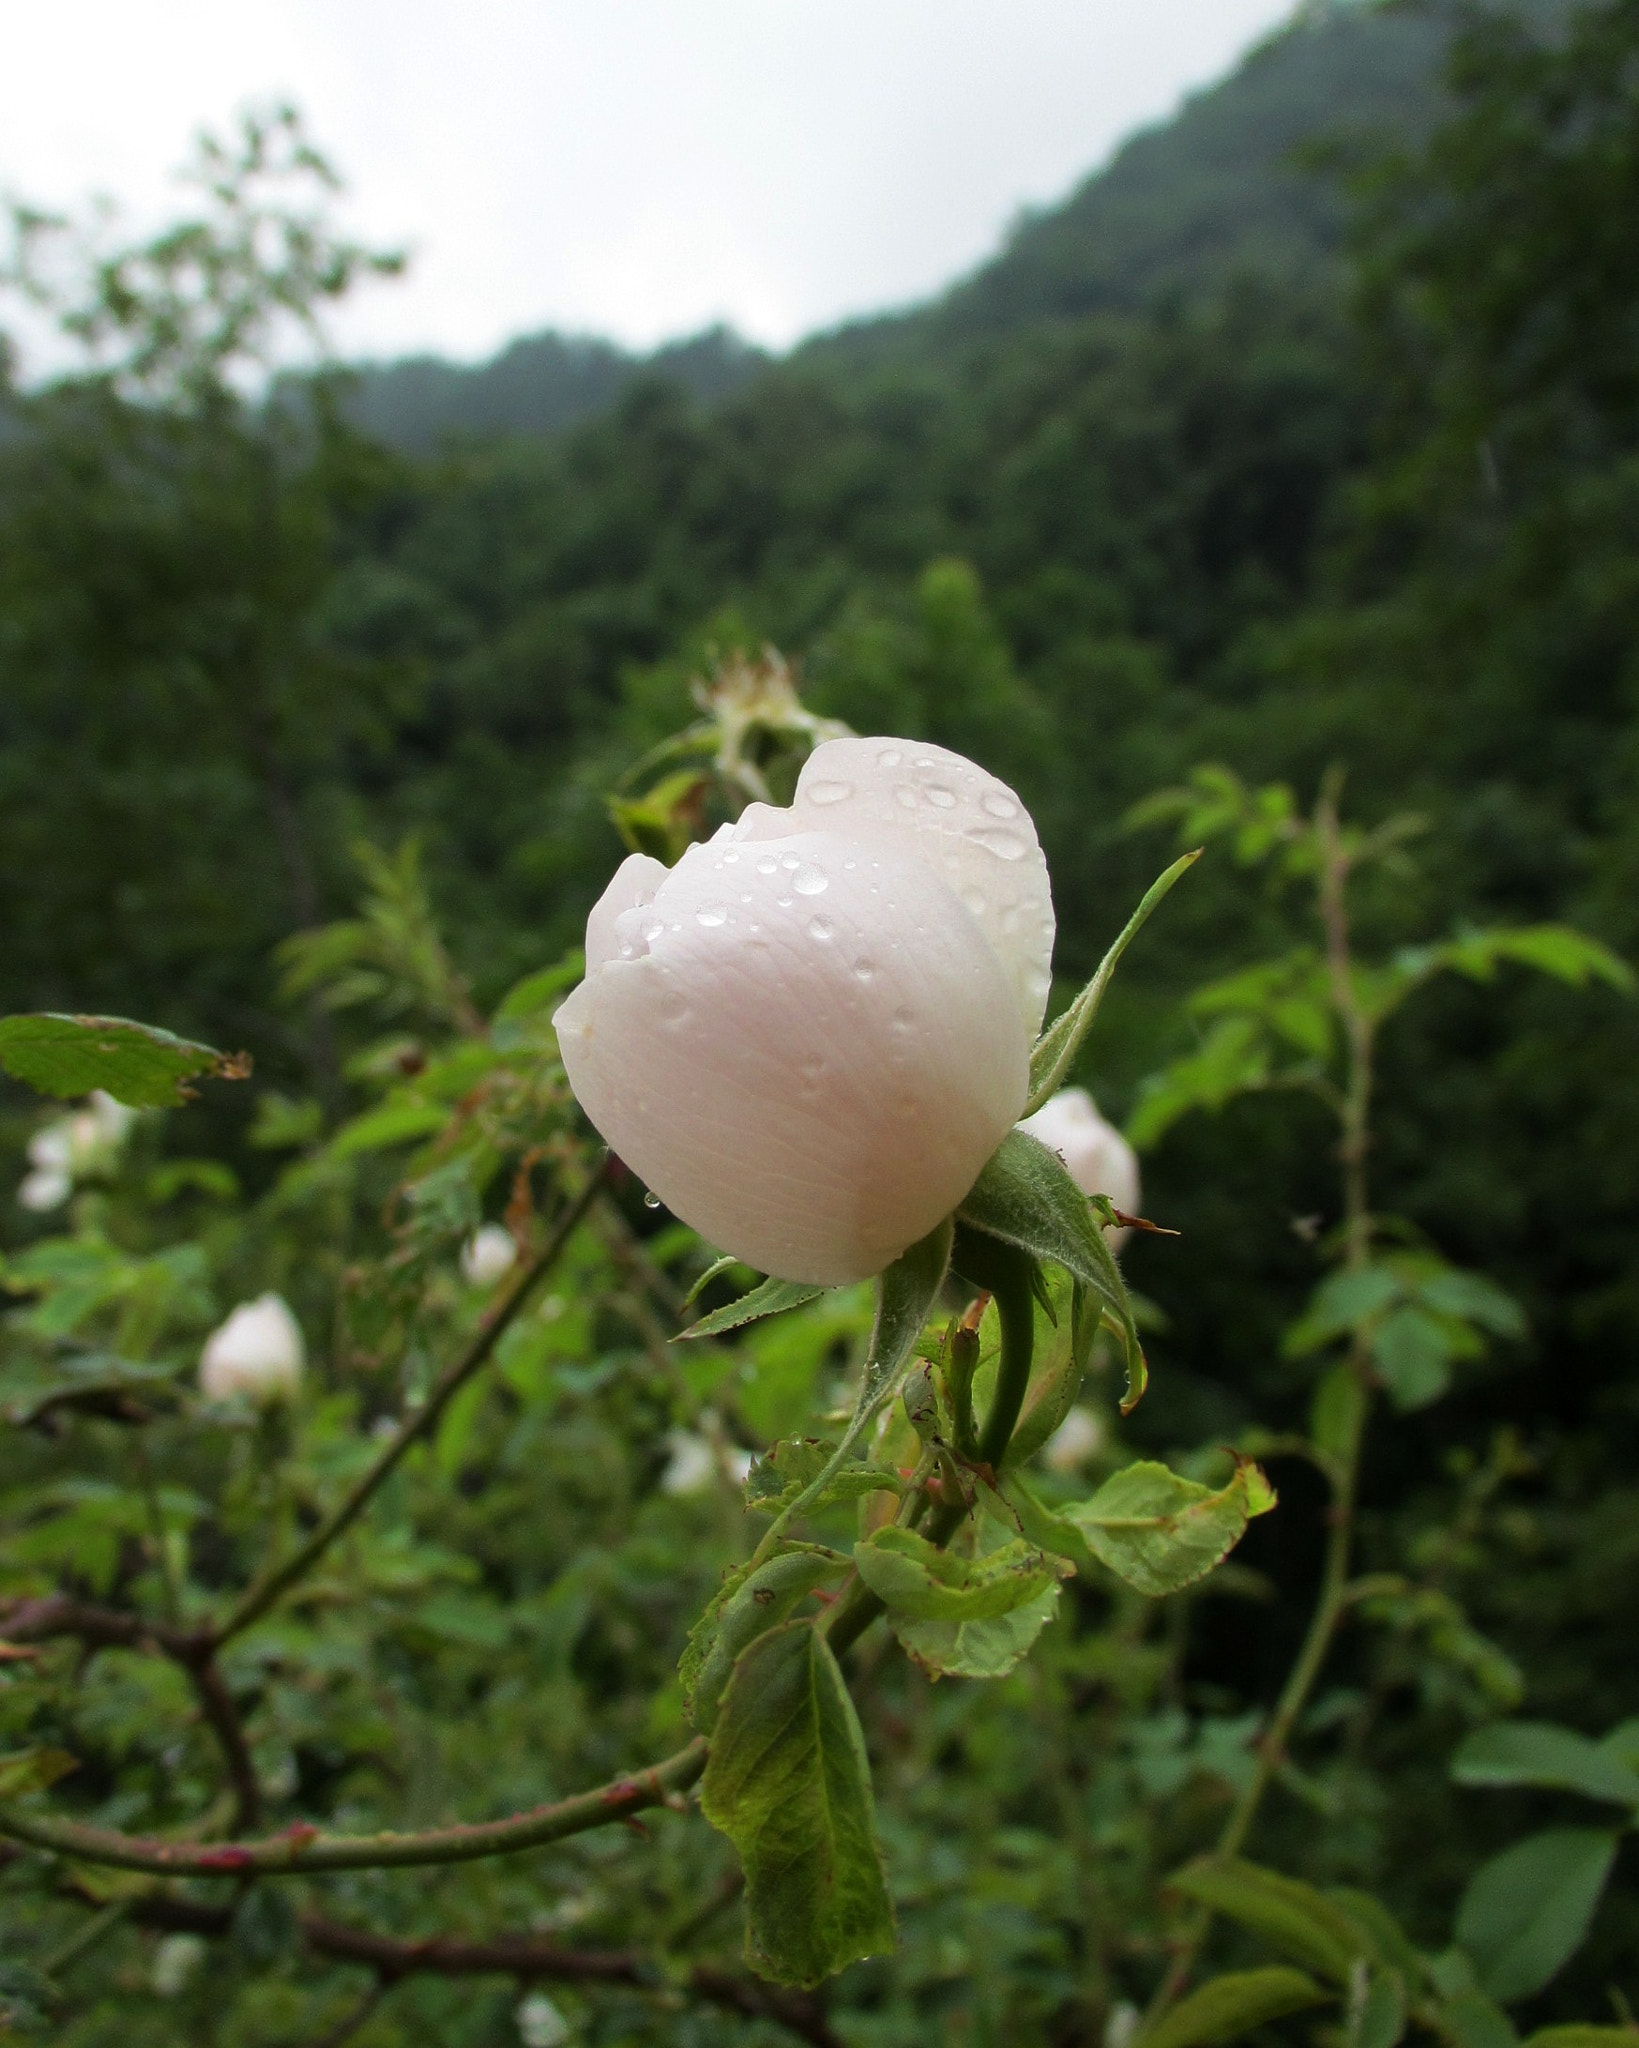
1275, 458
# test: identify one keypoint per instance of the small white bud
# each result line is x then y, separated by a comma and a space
487, 1254
258, 1353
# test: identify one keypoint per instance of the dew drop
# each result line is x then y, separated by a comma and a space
809, 881
627, 950
864, 970
651, 1201
850, 865
655, 930
768, 865
1005, 845
904, 1021
829, 792
975, 901
711, 914
785, 902
905, 796
729, 860
937, 794
821, 928
999, 806
890, 757
811, 1068
673, 1007
790, 863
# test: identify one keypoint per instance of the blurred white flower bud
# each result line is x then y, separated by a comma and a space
1100, 1160
540, 2024
1074, 1441
737, 1463
176, 1959
258, 1353
74, 1148
44, 1188
693, 1464
809, 1036
487, 1254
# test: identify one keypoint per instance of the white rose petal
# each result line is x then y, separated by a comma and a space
176, 1959
487, 1254
809, 1036
1099, 1159
540, 2024
258, 1352
52, 1149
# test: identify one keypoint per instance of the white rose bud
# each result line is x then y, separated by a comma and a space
487, 1254
258, 1352
1073, 1442
809, 1036
1099, 1159
692, 1466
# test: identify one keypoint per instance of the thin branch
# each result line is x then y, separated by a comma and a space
300, 1850
217, 1706
350, 2022
416, 1425
528, 1957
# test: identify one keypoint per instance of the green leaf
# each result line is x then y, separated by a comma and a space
768, 1298
394, 1122
787, 1469
32, 1770
1379, 2021
753, 1602
789, 1784
1288, 1914
961, 1617
92, 1383
1235, 1058
1474, 1299
1026, 1198
1471, 2020
1580, 2035
1056, 1049
1539, 1753
137, 1064
1228, 2007
1526, 1911
1161, 1532
1382, 1936
1412, 1352
1343, 1303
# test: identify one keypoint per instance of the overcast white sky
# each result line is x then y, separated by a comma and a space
637, 168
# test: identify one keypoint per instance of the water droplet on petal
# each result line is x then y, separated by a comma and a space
789, 862
999, 806
651, 1201
821, 928
944, 798
829, 792
768, 865
1005, 845
905, 795
975, 901
864, 970
890, 757
711, 914
655, 930
809, 880
729, 860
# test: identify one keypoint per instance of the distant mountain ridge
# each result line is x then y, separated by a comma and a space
1182, 206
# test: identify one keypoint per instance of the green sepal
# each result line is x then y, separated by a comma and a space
1026, 1198
1227, 2007
768, 1298
1054, 1392
138, 1064
752, 1601
1056, 1049
789, 1467
789, 1784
